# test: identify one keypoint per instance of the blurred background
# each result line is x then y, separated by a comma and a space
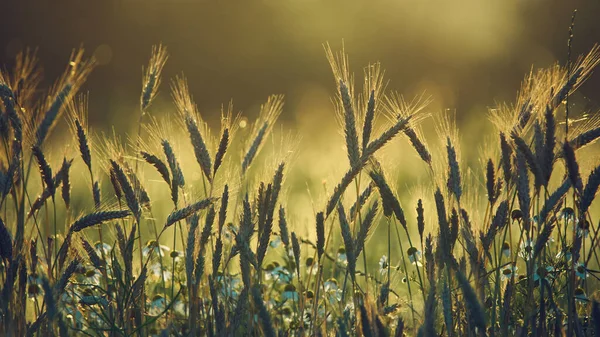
467, 55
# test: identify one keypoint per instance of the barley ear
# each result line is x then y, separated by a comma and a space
200, 150
589, 192
296, 250
151, 80
263, 313
549, 143
125, 186
365, 227
585, 138
572, 167
320, 235
223, 144
362, 199
490, 181
96, 218
364, 322
506, 159
474, 308
420, 219
185, 212
369, 117
223, 208
5, 243
84, 147
349, 125
454, 180
427, 329
158, 165
348, 242
389, 200
44, 168
418, 145
523, 189
283, 228
447, 307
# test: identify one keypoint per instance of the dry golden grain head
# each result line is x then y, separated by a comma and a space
341, 73
340, 67
58, 97
587, 64
24, 78
396, 107
77, 118
152, 76
110, 146
541, 88
186, 108
269, 112
77, 109
182, 98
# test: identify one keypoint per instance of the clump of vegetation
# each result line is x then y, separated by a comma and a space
517, 257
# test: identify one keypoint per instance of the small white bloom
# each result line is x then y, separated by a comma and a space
156, 248
509, 272
290, 293
506, 249
99, 246
581, 271
157, 306
93, 276
156, 270
332, 291
542, 273
311, 267
279, 274
583, 229
275, 242
341, 256
568, 214
414, 256
526, 251
383, 265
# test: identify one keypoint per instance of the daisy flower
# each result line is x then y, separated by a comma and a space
414, 256
383, 265
543, 273
526, 251
581, 271
583, 229
157, 306
290, 293
100, 246
509, 272
275, 242
506, 249
156, 248
156, 270
341, 256
332, 291
311, 267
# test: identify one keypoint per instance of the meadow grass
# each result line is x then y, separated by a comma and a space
514, 256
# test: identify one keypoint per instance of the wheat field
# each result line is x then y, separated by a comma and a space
180, 229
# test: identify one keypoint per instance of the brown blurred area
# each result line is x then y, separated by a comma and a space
468, 55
